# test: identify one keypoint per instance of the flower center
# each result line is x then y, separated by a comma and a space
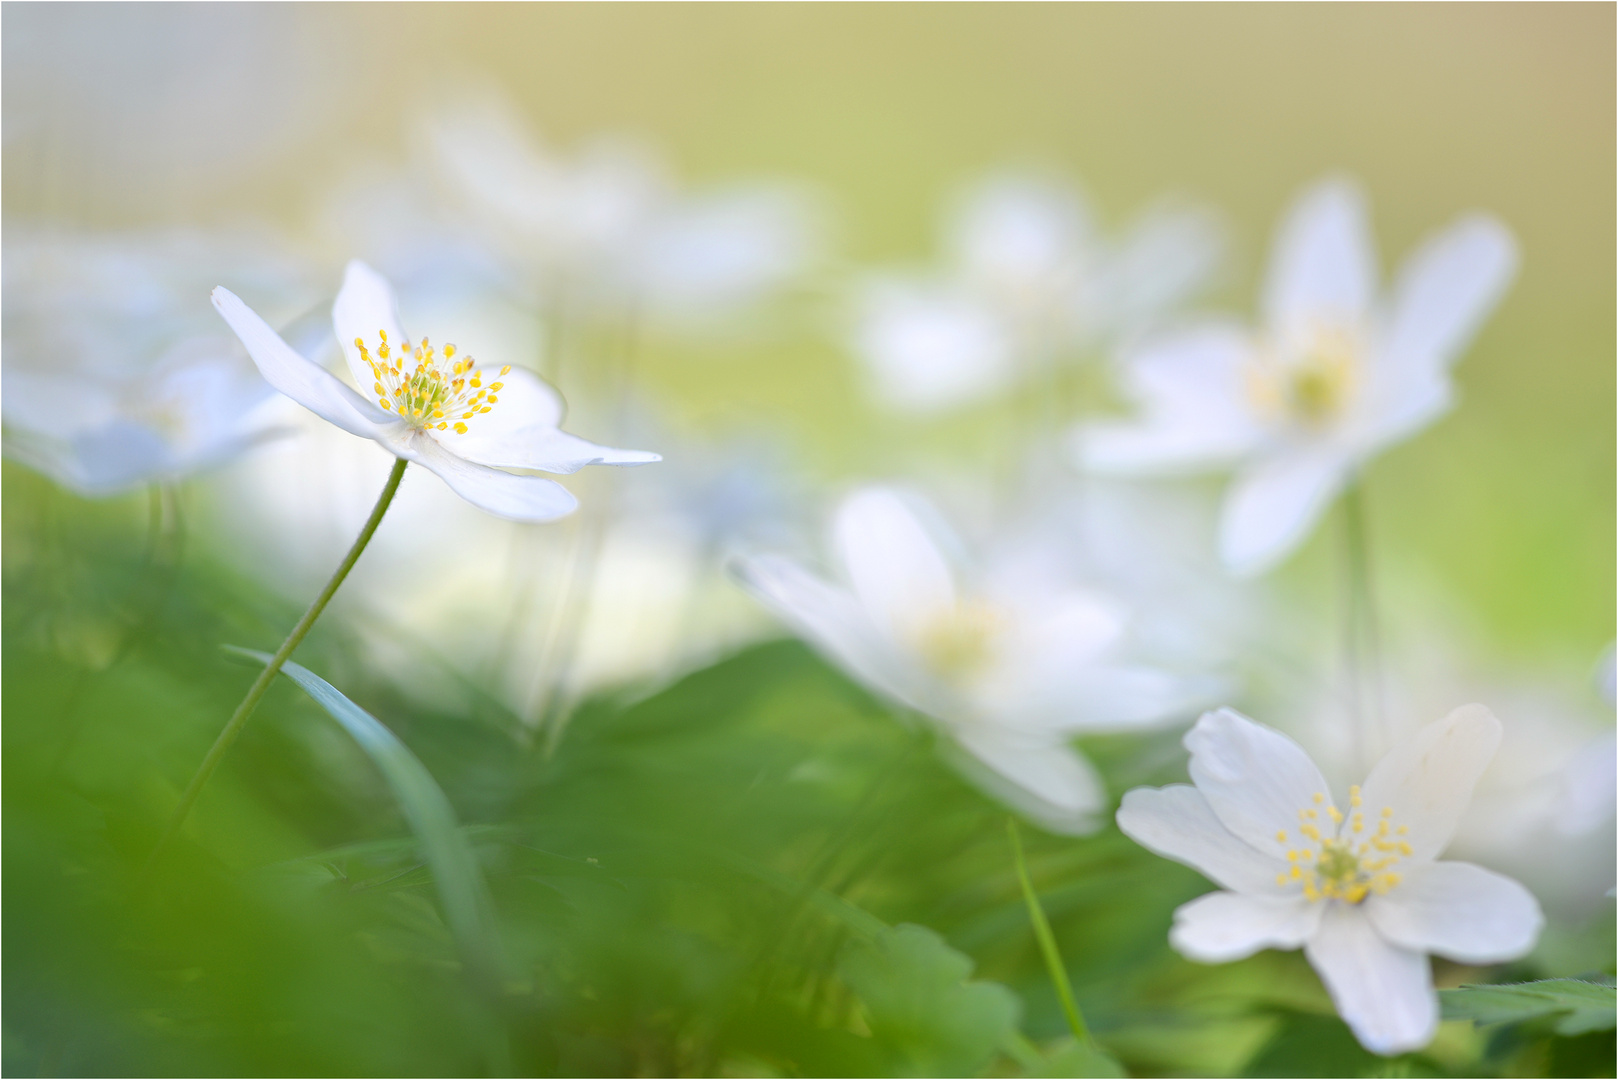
1312, 388
428, 390
1346, 866
959, 642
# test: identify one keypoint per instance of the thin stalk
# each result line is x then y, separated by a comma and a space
1362, 633
1047, 944
260, 685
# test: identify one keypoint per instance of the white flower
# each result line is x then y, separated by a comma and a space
1335, 375
1026, 281
116, 374
1542, 811
1359, 889
610, 224
440, 409
1010, 671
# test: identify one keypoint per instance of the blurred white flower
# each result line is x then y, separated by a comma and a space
1359, 889
444, 412
1010, 670
1335, 375
116, 374
1026, 280
610, 224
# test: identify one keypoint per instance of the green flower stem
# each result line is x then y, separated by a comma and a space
1362, 636
238, 719
1047, 944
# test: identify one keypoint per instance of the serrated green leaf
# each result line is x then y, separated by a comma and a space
922, 1009
455, 871
1579, 1006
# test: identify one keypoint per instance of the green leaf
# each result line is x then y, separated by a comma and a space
1075, 1058
455, 870
922, 1009
1579, 1006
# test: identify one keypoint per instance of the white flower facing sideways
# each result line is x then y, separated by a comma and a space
116, 374
1009, 671
1335, 375
1359, 888
1027, 280
466, 422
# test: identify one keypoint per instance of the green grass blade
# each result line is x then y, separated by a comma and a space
456, 873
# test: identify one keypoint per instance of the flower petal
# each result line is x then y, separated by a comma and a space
831, 620
364, 306
1177, 823
1323, 268
1383, 992
1254, 778
520, 432
1427, 780
1225, 926
1273, 504
897, 570
1043, 778
519, 498
307, 383
1196, 409
1446, 289
1458, 910
929, 348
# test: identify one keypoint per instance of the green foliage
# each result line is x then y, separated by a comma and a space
1574, 1005
924, 1012
700, 879
455, 871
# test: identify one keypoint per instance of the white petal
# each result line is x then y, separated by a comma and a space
1225, 926
1177, 823
520, 432
1323, 268
929, 349
1045, 779
1458, 910
1272, 506
310, 385
1018, 232
897, 571
1255, 779
364, 306
1106, 697
1446, 289
1196, 412
519, 498
831, 620
1383, 992
1427, 780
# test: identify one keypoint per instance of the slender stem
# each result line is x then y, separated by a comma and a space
1362, 635
260, 685
1047, 943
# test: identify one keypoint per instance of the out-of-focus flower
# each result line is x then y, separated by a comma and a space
438, 409
610, 225
116, 374
1010, 671
1360, 888
1027, 280
1335, 375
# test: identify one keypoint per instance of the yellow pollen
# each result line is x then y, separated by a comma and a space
1281, 837
1354, 795
1319, 798
434, 387
1348, 867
